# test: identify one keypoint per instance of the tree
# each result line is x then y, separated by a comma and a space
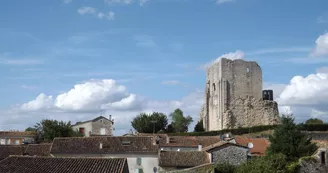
288, 139
149, 123
179, 122
199, 127
49, 129
30, 129
313, 121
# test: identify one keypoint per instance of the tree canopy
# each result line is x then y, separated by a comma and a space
179, 122
49, 129
288, 139
199, 127
313, 121
149, 123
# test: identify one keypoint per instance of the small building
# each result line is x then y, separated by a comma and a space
178, 160
38, 149
16, 137
259, 145
141, 152
8, 150
226, 152
99, 126
28, 164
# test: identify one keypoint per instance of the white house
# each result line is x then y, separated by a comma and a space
141, 152
96, 127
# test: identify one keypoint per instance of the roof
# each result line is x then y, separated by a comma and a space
110, 144
38, 150
183, 158
260, 145
93, 120
221, 144
321, 143
16, 134
7, 150
189, 141
62, 165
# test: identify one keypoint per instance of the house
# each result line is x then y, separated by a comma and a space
259, 145
99, 126
227, 152
31, 150
141, 152
28, 164
16, 137
185, 143
177, 160
38, 150
7, 150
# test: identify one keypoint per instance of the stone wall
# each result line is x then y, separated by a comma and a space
233, 97
207, 168
102, 123
230, 154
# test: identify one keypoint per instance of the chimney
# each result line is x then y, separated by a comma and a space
167, 139
100, 146
199, 147
110, 117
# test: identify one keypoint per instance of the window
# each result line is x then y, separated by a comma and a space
8, 142
138, 161
101, 121
102, 131
214, 87
126, 142
16, 142
247, 70
81, 130
2, 141
139, 171
323, 157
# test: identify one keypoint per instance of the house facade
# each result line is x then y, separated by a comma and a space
100, 126
141, 152
15, 137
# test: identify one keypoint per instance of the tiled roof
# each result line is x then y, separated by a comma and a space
7, 150
183, 158
221, 144
189, 141
91, 145
16, 134
17, 164
93, 120
38, 150
260, 145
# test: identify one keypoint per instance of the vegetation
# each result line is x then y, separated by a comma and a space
179, 122
288, 139
47, 130
225, 168
313, 121
149, 123
199, 127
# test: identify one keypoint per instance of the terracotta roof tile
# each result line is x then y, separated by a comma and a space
183, 158
63, 165
117, 144
38, 150
16, 134
7, 150
189, 141
221, 144
260, 144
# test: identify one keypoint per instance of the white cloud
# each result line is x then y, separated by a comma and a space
29, 87
24, 61
223, 1
67, 1
109, 15
142, 2
86, 10
232, 55
127, 2
321, 48
171, 82
41, 102
279, 50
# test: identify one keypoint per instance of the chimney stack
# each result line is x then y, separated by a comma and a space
100, 146
167, 139
110, 117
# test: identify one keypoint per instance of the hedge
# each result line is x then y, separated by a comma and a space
239, 131
313, 127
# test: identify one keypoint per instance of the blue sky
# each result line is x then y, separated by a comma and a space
154, 49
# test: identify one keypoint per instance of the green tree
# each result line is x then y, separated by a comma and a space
199, 127
313, 121
179, 122
149, 123
30, 129
288, 139
49, 129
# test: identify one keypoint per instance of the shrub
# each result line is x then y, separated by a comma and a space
225, 168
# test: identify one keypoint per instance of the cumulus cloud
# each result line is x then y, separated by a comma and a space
127, 2
86, 10
321, 48
232, 55
41, 102
109, 15
67, 1
171, 82
219, 2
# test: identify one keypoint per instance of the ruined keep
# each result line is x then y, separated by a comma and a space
234, 96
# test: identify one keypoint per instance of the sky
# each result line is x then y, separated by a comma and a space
74, 60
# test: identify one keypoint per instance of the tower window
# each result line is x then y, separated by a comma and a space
247, 70
214, 87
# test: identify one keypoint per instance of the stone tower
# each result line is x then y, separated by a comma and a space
233, 97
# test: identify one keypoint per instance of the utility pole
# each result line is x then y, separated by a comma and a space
153, 121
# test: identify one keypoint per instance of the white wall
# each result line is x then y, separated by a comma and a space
148, 161
87, 128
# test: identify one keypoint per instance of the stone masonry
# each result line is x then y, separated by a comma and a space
233, 97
